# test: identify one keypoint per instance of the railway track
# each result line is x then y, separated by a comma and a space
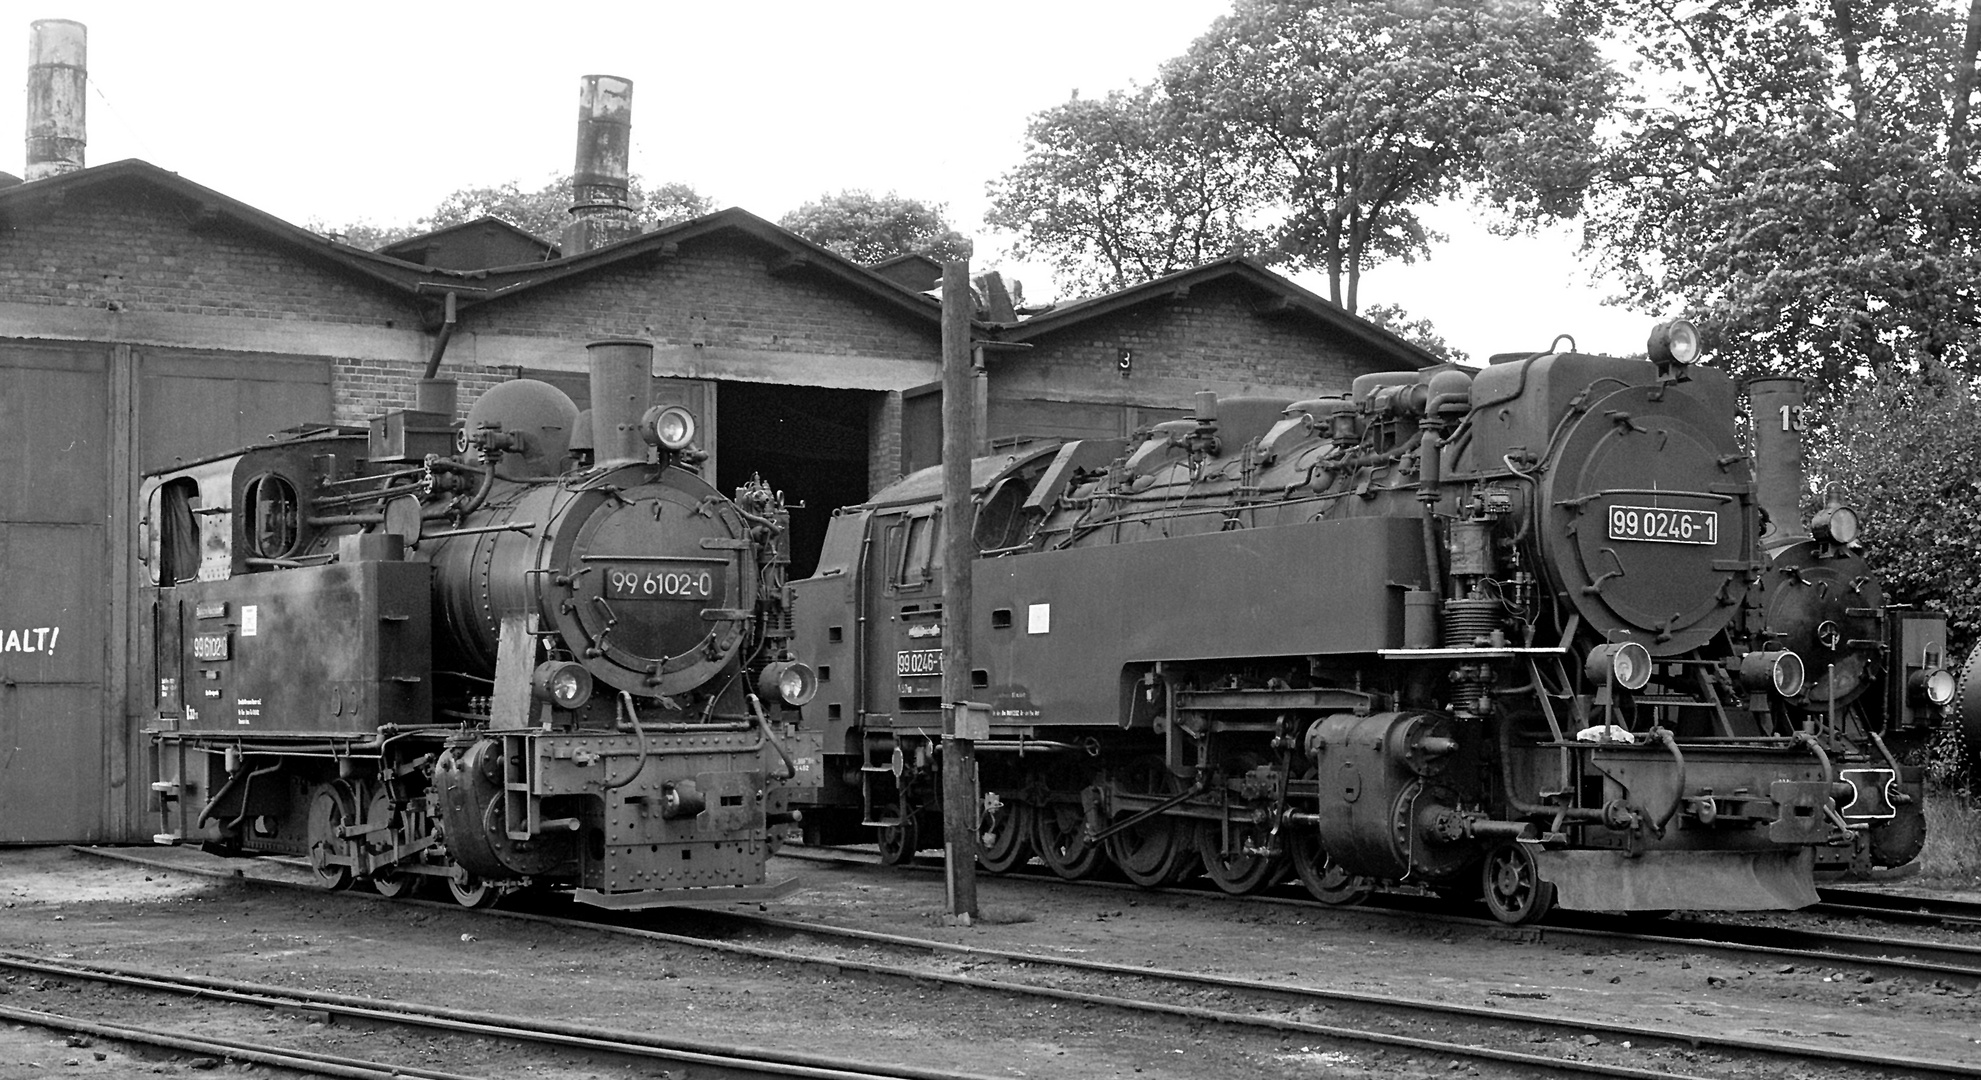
1553, 1044
1890, 907
1952, 963
702, 1059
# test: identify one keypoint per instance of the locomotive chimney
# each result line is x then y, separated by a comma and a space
57, 81
601, 211
622, 389
1778, 478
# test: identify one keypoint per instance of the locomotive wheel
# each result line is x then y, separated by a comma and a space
330, 809
1005, 837
1324, 878
470, 891
1238, 870
1061, 837
392, 884
1513, 888
387, 882
900, 841
1159, 851
1229, 850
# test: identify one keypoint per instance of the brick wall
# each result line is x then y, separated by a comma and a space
718, 291
1211, 339
135, 248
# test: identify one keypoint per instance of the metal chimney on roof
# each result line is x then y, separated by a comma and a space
601, 210
58, 76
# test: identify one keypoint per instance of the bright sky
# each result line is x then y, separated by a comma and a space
338, 112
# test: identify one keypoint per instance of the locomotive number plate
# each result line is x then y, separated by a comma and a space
663, 582
210, 647
1664, 526
912, 662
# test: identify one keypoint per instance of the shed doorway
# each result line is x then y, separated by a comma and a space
809, 442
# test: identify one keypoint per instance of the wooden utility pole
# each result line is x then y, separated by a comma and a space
960, 722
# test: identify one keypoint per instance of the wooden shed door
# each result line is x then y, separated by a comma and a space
54, 410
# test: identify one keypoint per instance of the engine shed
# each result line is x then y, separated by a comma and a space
150, 321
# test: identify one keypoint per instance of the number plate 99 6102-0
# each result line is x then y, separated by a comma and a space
663, 582
1664, 526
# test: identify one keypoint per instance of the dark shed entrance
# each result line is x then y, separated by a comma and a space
809, 442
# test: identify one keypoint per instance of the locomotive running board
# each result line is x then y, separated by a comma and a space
1776, 880
700, 895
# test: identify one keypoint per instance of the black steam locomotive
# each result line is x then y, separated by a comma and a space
1514, 633
541, 650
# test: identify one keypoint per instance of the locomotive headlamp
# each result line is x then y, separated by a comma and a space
1772, 669
1835, 525
1934, 687
669, 427
1628, 664
564, 683
788, 681
1673, 342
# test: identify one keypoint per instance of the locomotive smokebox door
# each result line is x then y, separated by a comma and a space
1654, 519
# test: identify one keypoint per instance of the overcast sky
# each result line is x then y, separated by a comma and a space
359, 110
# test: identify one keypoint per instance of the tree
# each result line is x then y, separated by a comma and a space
542, 213
868, 229
1418, 332
1797, 173
1113, 192
1906, 452
1358, 113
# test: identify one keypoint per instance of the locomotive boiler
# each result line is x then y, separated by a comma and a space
539, 649
1509, 634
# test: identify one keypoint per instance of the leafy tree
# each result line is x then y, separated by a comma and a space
1797, 172
1113, 192
1418, 332
542, 212
868, 228
1356, 114
1906, 452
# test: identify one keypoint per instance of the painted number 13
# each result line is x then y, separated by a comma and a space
1791, 418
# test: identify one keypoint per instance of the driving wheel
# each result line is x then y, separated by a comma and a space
1512, 884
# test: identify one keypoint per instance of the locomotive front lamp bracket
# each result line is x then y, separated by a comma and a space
1835, 525
1933, 687
669, 427
563, 683
789, 681
1627, 664
1673, 344
1780, 670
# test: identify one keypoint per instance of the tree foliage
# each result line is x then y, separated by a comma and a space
1418, 332
1796, 172
1353, 115
1906, 452
542, 212
869, 228
1113, 192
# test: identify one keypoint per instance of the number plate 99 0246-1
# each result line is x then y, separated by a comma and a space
1664, 526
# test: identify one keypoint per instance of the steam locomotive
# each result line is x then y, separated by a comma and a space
540, 650
1515, 634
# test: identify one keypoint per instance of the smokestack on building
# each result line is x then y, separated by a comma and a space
601, 208
58, 76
